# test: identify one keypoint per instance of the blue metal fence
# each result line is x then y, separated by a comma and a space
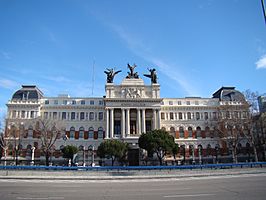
118, 168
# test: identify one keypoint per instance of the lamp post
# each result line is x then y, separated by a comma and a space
84, 162
193, 154
200, 148
32, 156
5, 150
216, 152
91, 148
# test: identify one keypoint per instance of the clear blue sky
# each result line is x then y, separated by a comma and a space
197, 46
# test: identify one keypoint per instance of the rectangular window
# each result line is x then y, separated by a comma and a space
171, 115
196, 102
56, 102
46, 102
189, 115
100, 116
82, 102
63, 115
54, 115
91, 117
74, 102
100, 103
197, 115
214, 115
23, 114
163, 116
170, 102
31, 114
180, 116
45, 115
73, 115
179, 103
82, 116
13, 114
206, 116
188, 103
64, 102
91, 102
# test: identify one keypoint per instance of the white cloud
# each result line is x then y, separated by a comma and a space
8, 84
261, 63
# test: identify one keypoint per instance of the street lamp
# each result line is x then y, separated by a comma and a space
32, 155
200, 148
216, 152
193, 154
84, 162
91, 148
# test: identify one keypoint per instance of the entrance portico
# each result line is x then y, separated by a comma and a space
132, 108
130, 122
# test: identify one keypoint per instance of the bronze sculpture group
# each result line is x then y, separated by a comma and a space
131, 74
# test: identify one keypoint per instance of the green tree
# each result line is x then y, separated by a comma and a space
114, 149
69, 151
158, 142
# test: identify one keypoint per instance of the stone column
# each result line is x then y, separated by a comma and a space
158, 119
128, 122
138, 122
143, 121
112, 123
154, 126
123, 125
107, 124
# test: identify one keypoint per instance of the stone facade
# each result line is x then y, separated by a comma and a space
127, 110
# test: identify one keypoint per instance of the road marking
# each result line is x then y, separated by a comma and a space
188, 195
40, 198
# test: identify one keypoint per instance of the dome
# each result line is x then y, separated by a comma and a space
27, 92
229, 94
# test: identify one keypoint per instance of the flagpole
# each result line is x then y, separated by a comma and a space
263, 9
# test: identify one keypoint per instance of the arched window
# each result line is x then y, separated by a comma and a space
72, 132
209, 150
200, 149
190, 131
172, 131
181, 131
81, 133
198, 132
188, 115
207, 131
91, 133
30, 132
239, 148
100, 133
191, 150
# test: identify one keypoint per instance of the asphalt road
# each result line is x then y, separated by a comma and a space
224, 187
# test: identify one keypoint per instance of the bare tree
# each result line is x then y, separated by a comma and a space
8, 136
48, 131
252, 99
233, 126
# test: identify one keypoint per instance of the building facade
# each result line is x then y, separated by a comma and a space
126, 111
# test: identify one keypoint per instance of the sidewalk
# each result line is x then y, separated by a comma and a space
124, 175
